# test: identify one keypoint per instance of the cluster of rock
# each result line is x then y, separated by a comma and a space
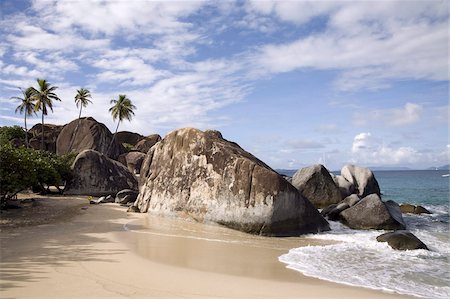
354, 198
202, 176
51, 133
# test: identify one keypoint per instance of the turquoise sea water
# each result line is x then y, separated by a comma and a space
359, 260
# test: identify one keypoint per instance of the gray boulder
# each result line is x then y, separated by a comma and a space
146, 143
125, 196
362, 178
402, 240
351, 200
133, 161
128, 137
51, 133
200, 175
412, 209
345, 187
316, 185
96, 174
89, 135
372, 213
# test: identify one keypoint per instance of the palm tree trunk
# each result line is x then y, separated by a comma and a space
42, 139
112, 140
75, 132
26, 130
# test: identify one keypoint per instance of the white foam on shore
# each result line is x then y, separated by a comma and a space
359, 260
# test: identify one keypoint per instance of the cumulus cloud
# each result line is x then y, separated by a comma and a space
368, 149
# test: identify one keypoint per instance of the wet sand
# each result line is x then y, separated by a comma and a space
103, 252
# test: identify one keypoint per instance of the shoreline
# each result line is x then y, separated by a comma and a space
91, 255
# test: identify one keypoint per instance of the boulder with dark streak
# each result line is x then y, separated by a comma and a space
89, 135
202, 176
95, 174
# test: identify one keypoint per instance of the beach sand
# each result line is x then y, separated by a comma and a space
100, 251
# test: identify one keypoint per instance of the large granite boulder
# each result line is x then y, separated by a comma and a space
372, 213
128, 137
345, 187
51, 133
402, 240
133, 161
95, 174
316, 184
146, 143
362, 178
200, 175
90, 135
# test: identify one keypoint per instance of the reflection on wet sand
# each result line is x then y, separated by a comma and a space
213, 248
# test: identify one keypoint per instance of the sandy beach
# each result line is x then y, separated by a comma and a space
100, 251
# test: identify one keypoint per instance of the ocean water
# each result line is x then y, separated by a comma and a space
359, 260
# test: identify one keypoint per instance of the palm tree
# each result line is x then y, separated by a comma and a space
44, 97
26, 107
81, 99
122, 109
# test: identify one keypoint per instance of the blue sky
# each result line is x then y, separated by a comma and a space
293, 82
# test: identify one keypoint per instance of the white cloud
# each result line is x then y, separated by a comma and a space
297, 12
370, 44
28, 36
407, 115
368, 149
111, 17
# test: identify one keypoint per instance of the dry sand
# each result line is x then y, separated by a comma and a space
103, 252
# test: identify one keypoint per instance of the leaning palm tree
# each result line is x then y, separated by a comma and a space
44, 98
122, 109
26, 107
82, 100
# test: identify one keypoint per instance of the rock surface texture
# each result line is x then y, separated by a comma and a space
133, 161
316, 184
90, 135
412, 209
362, 178
51, 133
402, 240
372, 213
146, 143
128, 137
95, 174
200, 175
345, 187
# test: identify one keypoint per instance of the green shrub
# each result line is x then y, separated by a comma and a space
9, 133
22, 168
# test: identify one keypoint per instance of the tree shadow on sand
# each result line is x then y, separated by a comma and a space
26, 252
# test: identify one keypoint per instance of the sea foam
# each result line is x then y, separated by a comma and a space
359, 260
